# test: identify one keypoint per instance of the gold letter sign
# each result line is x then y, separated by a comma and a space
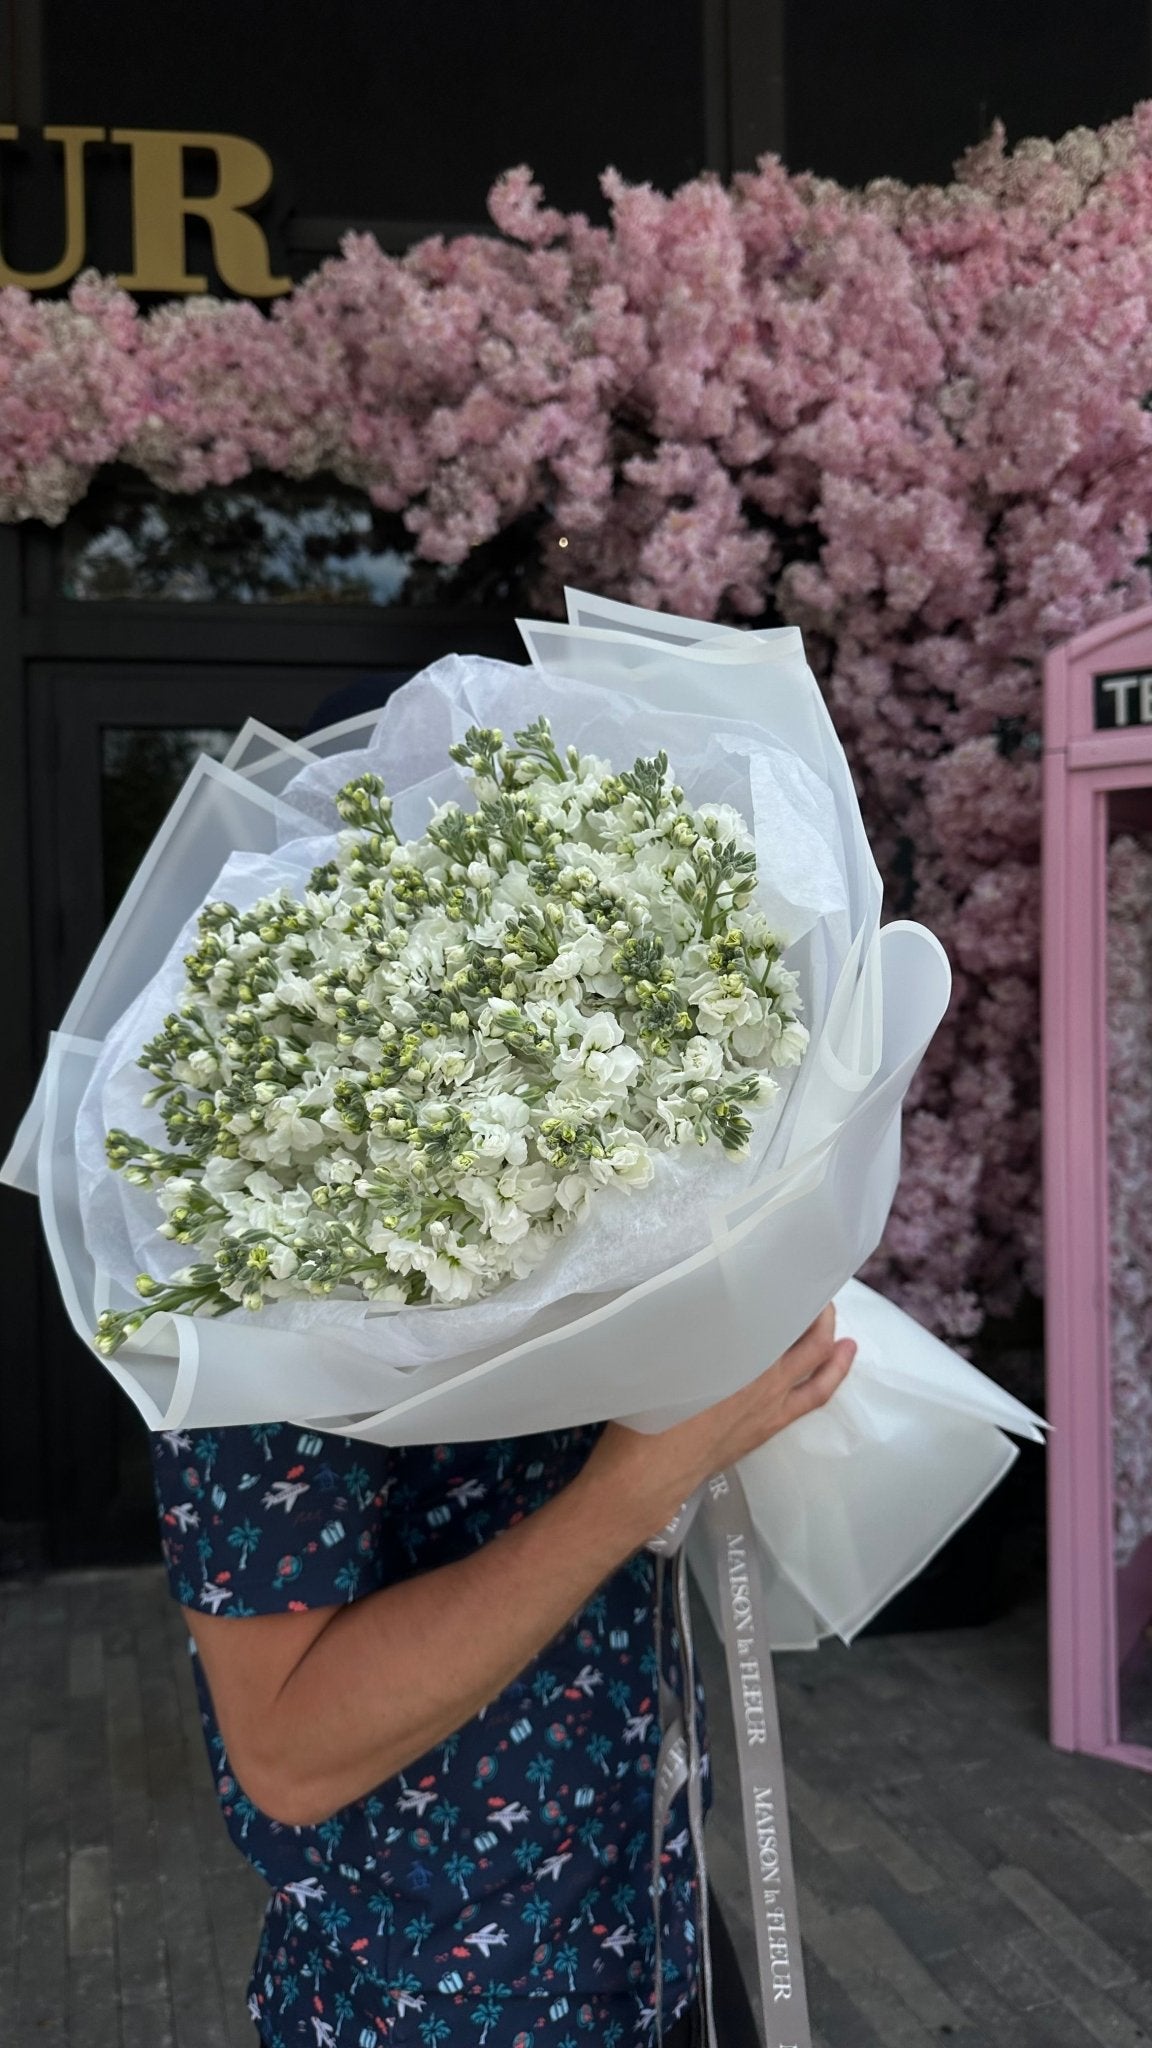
160, 203
160, 207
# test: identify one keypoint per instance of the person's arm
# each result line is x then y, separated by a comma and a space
316, 1709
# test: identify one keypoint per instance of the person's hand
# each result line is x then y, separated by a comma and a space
657, 1473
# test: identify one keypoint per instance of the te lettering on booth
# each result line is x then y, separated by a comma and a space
1123, 697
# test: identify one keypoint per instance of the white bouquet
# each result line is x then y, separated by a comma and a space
407, 1084
526, 1305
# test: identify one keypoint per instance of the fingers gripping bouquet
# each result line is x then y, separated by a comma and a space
526, 1053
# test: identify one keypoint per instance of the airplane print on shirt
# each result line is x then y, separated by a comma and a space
497, 1892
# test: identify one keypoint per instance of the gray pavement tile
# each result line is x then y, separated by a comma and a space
89, 1817
1092, 2005
903, 1805
922, 1993
1104, 2021
235, 1914
1128, 1929
136, 1848
141, 1954
1136, 2000
1120, 1795
956, 1806
93, 2004
986, 2011
86, 1664
90, 1920
45, 1867
900, 1857
832, 2012
1095, 1958
836, 1880
42, 1971
198, 1995
1020, 1985
845, 1954
151, 2026
12, 1810
1042, 1842
133, 1822
1129, 1853
936, 1924
835, 1823
47, 1769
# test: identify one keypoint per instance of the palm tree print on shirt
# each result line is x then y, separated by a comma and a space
498, 1891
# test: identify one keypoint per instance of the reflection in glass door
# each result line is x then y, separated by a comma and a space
141, 771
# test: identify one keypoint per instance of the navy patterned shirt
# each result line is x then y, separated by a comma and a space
498, 1891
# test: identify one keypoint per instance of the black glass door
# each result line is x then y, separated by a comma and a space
110, 746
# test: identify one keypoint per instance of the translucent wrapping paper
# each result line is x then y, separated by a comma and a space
657, 1303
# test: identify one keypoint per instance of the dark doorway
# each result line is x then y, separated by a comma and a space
142, 633
109, 749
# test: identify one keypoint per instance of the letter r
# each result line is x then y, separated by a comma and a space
160, 206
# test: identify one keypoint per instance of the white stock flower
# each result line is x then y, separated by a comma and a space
719, 1009
572, 1193
675, 1119
499, 1124
221, 1175
531, 1187
702, 1060
504, 1221
292, 1127
580, 955
609, 1065
722, 823
452, 1268
632, 1163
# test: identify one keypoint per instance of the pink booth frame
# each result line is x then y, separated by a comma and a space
1096, 1611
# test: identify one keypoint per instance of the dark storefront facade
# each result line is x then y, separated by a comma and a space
147, 628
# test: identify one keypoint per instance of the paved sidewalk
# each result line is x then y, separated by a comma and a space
961, 1881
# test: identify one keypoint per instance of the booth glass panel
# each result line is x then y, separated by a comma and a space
1129, 1129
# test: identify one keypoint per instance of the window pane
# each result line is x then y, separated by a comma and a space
270, 540
141, 772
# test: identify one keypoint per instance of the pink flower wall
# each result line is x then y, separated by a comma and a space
912, 421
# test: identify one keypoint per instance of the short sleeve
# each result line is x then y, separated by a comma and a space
270, 1519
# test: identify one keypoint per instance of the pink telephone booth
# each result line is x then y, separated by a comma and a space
1097, 1110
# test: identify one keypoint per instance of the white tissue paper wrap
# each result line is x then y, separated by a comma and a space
658, 1303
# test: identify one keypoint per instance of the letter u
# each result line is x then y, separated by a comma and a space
74, 142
